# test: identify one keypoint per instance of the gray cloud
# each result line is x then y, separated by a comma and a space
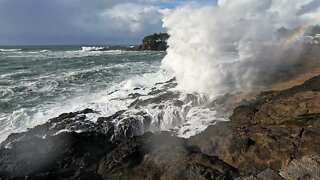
78, 21
313, 5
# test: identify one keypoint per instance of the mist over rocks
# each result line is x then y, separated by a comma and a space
71, 155
180, 129
273, 136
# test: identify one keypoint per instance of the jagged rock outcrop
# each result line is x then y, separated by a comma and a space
155, 42
275, 136
63, 156
269, 132
162, 156
307, 167
71, 155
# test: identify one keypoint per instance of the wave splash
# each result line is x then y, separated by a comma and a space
94, 48
150, 102
234, 46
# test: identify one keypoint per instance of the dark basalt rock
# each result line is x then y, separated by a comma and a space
214, 139
73, 121
162, 156
273, 137
67, 155
155, 42
66, 145
91, 155
270, 132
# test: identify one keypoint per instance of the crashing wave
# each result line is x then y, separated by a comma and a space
10, 50
94, 48
127, 113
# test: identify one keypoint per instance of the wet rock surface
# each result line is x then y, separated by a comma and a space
73, 155
270, 132
307, 167
276, 136
276, 129
67, 155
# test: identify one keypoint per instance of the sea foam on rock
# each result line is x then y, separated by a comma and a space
159, 108
274, 136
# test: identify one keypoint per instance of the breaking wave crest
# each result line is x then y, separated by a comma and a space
128, 86
94, 48
10, 50
144, 103
235, 45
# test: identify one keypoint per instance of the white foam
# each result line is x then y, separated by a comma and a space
186, 120
197, 120
4, 76
9, 50
44, 54
103, 102
42, 86
93, 48
6, 91
197, 33
191, 118
44, 51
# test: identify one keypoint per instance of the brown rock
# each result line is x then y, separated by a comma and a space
306, 168
275, 129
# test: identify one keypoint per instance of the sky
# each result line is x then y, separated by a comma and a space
72, 22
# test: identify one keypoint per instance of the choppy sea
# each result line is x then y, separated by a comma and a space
39, 83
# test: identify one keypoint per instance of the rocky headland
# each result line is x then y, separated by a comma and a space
274, 136
154, 42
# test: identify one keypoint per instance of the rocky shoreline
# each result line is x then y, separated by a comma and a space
275, 136
154, 42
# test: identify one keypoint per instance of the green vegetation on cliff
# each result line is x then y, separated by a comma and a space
156, 37
155, 42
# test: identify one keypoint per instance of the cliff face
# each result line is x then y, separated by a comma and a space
275, 136
155, 42
277, 130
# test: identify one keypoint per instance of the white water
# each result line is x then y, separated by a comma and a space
199, 36
54, 92
198, 56
93, 48
190, 119
9, 50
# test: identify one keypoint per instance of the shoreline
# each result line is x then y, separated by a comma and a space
254, 142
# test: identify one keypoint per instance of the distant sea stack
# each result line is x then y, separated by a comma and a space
155, 42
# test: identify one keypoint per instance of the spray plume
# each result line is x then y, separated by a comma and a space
233, 46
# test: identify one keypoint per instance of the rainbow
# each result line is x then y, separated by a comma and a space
299, 32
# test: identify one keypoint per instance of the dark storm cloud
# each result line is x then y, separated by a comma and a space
77, 21
313, 5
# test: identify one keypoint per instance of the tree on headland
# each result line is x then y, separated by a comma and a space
155, 42
156, 37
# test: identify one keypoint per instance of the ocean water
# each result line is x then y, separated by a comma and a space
39, 83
